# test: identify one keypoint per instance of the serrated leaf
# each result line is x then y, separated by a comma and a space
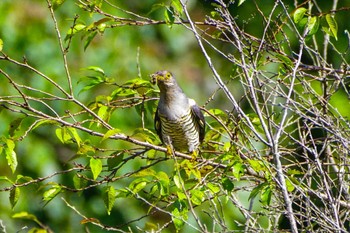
109, 198
299, 14
96, 167
333, 26
145, 134
11, 155
14, 196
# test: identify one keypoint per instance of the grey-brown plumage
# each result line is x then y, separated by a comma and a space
178, 120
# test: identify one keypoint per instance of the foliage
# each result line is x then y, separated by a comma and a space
78, 149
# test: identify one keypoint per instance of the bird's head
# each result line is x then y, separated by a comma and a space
163, 79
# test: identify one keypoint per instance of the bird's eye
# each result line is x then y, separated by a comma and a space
168, 75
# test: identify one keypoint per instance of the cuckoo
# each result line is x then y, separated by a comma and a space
178, 120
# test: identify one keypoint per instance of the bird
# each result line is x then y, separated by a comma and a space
178, 120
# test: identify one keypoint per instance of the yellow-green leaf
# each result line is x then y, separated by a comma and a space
11, 156
110, 133
1, 44
52, 192
96, 167
109, 198
333, 26
299, 14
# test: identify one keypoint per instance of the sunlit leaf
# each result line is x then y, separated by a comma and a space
1, 45
57, 3
63, 135
169, 16
25, 215
109, 198
44, 122
197, 196
240, 2
110, 133
333, 26
11, 155
138, 184
313, 25
96, 167
52, 192
299, 14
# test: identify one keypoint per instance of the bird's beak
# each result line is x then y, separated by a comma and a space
154, 79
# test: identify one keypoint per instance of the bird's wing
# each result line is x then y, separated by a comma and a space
199, 118
158, 125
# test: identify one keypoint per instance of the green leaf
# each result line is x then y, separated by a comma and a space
15, 125
79, 182
145, 134
169, 16
177, 6
103, 112
52, 192
44, 122
1, 45
26, 215
333, 26
63, 135
110, 133
164, 182
179, 217
74, 135
313, 25
227, 184
115, 160
138, 184
178, 181
290, 186
284, 59
240, 2
96, 167
57, 3
214, 189
109, 198
14, 196
11, 156
266, 194
238, 169
90, 37
197, 196
299, 14
96, 69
